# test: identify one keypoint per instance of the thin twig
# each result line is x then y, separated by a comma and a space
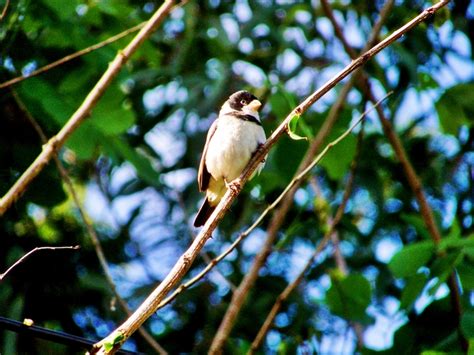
278, 218
85, 108
114, 340
412, 177
89, 228
4, 11
19, 261
72, 56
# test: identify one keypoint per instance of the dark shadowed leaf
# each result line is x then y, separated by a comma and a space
349, 296
407, 261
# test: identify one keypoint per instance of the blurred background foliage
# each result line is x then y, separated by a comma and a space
134, 161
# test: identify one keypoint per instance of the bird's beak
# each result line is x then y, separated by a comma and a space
254, 105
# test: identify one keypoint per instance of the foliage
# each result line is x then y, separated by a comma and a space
133, 163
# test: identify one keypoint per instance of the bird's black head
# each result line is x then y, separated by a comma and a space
239, 99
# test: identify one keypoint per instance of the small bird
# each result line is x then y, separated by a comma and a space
233, 138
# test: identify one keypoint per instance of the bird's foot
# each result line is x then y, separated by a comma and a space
234, 185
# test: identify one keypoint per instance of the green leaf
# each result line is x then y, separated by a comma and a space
285, 159
408, 260
282, 102
457, 243
466, 275
416, 222
455, 107
116, 8
412, 290
84, 141
63, 9
114, 339
442, 15
443, 267
56, 106
291, 128
349, 296
467, 324
338, 160
427, 81
111, 116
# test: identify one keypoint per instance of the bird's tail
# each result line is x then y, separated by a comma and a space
204, 213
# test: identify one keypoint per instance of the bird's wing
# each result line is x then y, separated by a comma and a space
203, 174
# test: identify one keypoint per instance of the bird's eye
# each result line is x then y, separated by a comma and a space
243, 102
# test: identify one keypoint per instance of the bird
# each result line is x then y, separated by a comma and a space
231, 141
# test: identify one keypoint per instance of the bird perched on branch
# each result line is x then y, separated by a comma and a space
231, 141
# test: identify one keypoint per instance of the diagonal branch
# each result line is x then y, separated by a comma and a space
84, 109
239, 297
148, 307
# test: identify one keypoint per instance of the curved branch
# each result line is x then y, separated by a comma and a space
84, 109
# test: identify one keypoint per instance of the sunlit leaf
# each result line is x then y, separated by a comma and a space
291, 128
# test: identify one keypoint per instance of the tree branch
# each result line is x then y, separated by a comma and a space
278, 218
84, 109
148, 307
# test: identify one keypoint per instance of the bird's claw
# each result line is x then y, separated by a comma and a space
234, 185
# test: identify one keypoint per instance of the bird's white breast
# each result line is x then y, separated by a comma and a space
232, 146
